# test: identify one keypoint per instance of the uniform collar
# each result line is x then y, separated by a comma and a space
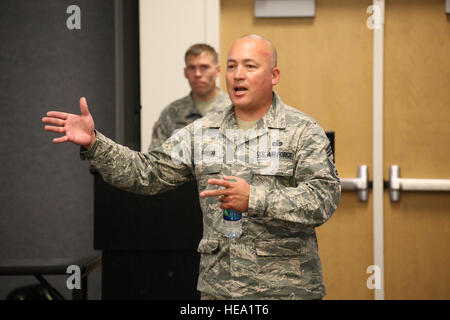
275, 116
220, 98
273, 119
226, 119
193, 111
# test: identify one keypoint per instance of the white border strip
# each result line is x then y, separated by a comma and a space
212, 26
377, 136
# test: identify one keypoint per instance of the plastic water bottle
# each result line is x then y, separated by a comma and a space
232, 222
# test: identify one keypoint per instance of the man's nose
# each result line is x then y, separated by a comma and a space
198, 72
239, 73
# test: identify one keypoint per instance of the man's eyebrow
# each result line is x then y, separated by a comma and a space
245, 60
193, 65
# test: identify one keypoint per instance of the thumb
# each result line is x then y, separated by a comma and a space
84, 107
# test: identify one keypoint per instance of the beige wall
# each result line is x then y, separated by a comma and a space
167, 29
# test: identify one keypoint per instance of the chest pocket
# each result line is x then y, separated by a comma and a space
277, 174
204, 172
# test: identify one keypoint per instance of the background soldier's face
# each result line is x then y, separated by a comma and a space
201, 72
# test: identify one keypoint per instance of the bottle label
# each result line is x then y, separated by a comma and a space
231, 215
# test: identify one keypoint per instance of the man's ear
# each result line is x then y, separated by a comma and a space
275, 76
185, 72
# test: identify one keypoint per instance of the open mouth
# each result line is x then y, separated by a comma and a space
240, 90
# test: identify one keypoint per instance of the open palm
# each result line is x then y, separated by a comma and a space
78, 129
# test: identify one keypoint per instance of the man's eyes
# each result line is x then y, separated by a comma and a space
248, 66
202, 68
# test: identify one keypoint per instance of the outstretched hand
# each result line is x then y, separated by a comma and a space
78, 129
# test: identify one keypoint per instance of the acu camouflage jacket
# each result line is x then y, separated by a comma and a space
294, 188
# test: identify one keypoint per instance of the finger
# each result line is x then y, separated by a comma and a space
220, 182
57, 114
84, 107
61, 139
54, 121
214, 193
55, 129
230, 178
226, 206
227, 198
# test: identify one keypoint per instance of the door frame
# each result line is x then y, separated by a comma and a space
378, 10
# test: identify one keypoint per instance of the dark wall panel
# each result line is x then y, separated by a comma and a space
46, 191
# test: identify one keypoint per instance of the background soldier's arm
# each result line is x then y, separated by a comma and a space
160, 131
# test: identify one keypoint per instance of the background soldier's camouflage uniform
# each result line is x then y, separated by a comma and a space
277, 255
178, 115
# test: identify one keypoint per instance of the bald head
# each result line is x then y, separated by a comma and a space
268, 44
251, 75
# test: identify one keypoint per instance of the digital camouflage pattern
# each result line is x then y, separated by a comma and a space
277, 255
179, 114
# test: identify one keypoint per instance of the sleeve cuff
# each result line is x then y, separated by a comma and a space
257, 202
89, 154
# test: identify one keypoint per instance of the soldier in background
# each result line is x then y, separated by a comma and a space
276, 256
202, 69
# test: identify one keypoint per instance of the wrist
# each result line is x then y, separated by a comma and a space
91, 143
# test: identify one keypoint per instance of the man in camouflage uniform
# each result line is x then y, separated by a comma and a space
286, 183
202, 69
